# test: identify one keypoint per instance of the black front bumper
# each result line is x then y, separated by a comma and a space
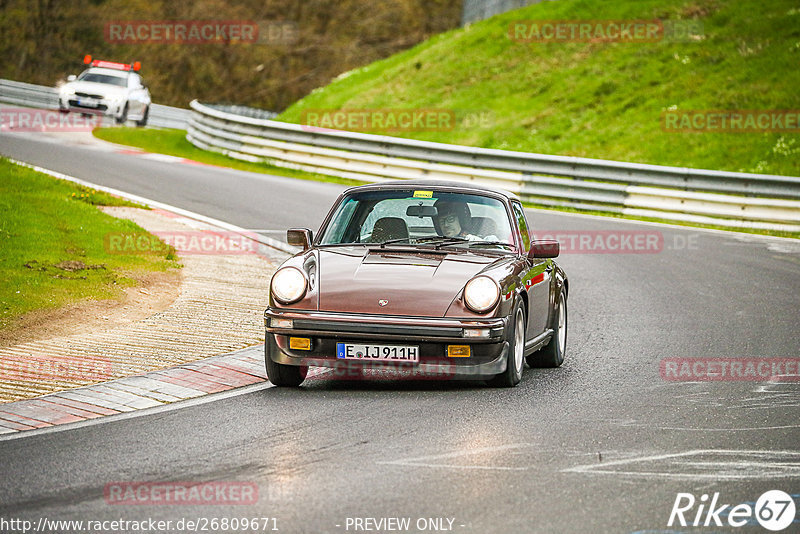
488, 354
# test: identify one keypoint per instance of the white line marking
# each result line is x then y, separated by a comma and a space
708, 476
742, 464
449, 466
744, 429
602, 468
421, 461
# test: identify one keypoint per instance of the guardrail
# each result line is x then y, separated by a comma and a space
475, 10
730, 199
41, 96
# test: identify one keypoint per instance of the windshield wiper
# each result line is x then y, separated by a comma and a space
451, 241
393, 241
437, 241
431, 238
366, 243
491, 243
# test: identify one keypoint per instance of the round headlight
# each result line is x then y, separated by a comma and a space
481, 294
288, 285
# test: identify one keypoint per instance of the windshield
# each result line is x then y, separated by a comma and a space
96, 77
408, 216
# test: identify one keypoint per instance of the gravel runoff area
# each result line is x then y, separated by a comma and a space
219, 309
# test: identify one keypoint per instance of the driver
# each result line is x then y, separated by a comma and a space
453, 219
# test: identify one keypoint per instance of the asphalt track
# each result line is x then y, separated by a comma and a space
603, 444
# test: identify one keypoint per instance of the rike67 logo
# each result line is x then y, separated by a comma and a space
774, 510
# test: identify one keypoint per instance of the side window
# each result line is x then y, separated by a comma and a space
522, 223
341, 221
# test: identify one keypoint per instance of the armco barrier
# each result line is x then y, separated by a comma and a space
703, 196
41, 96
730, 199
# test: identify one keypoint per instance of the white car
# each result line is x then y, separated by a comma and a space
107, 88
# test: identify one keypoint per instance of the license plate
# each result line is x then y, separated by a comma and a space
350, 351
88, 102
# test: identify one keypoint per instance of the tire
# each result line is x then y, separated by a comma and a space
516, 351
122, 119
552, 354
280, 374
143, 122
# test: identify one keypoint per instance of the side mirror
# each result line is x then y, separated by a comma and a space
544, 249
71, 78
299, 237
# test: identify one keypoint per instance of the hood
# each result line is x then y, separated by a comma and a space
104, 89
414, 283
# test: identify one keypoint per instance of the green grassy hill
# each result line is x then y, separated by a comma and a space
598, 99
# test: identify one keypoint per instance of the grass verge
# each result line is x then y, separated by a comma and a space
52, 245
595, 99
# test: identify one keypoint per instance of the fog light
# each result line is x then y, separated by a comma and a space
476, 332
281, 323
458, 351
299, 343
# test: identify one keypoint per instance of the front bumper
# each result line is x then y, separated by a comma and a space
107, 107
488, 353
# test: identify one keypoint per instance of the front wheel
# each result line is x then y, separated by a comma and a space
122, 119
552, 355
516, 351
143, 121
281, 374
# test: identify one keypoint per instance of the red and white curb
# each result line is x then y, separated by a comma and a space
189, 384
164, 158
156, 388
179, 386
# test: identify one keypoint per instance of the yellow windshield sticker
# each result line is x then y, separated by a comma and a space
423, 194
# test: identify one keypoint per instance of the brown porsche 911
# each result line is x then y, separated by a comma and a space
439, 279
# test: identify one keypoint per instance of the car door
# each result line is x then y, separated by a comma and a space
136, 95
535, 280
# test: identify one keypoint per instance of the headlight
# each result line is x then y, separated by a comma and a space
288, 285
481, 294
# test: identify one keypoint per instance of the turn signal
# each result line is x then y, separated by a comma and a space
458, 351
299, 343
